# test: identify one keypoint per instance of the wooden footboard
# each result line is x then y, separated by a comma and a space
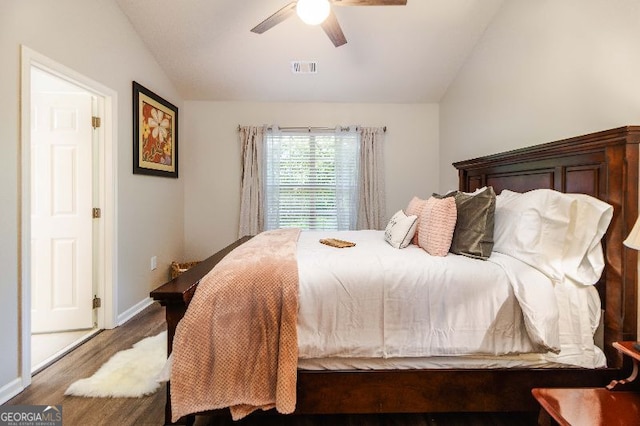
176, 294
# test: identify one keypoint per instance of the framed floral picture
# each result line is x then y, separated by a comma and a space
155, 134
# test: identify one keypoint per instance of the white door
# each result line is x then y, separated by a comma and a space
61, 212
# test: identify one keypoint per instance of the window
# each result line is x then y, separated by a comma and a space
311, 180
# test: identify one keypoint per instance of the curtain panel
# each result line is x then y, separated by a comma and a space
372, 196
251, 186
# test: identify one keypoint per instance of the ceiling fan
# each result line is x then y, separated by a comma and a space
316, 12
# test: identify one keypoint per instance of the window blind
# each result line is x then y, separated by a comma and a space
311, 180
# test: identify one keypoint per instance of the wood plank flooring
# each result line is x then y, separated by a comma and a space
48, 388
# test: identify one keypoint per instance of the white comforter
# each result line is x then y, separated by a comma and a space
373, 300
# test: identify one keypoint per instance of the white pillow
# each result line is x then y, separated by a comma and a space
583, 259
400, 229
533, 227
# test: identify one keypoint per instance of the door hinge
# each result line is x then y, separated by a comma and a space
97, 302
95, 122
97, 212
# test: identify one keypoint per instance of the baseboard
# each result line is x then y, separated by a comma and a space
134, 310
10, 390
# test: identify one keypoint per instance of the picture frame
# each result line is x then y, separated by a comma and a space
155, 134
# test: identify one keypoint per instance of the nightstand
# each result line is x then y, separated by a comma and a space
616, 404
629, 349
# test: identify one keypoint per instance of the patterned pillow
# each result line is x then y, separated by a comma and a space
436, 224
400, 229
414, 209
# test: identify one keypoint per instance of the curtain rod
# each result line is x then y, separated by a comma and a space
310, 128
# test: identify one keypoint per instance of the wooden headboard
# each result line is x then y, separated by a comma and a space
602, 164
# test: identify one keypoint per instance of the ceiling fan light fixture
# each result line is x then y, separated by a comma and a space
313, 12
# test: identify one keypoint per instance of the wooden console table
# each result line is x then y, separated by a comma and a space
616, 404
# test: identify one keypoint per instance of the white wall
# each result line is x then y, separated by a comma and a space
95, 39
213, 166
544, 70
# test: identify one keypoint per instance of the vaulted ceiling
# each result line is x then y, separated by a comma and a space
394, 54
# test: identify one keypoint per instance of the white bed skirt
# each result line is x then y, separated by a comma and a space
440, 362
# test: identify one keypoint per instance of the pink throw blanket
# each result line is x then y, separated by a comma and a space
237, 345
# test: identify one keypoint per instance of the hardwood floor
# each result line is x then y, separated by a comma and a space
48, 388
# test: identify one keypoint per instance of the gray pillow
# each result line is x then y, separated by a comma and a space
473, 234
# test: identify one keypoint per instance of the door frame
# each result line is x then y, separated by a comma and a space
106, 287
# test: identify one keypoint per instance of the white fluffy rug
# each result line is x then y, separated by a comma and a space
130, 373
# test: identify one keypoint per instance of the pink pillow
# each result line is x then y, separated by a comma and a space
415, 208
436, 224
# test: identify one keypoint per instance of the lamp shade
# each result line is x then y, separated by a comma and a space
633, 240
313, 12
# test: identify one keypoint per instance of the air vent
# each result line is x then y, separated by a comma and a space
304, 67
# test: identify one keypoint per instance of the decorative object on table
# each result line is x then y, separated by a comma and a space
155, 134
179, 268
131, 373
334, 242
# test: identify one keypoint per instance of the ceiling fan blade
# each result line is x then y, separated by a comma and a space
369, 2
275, 19
333, 30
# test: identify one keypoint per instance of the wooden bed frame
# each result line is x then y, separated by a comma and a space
604, 165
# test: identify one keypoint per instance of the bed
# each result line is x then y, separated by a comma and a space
603, 165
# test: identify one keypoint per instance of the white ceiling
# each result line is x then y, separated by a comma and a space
394, 54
